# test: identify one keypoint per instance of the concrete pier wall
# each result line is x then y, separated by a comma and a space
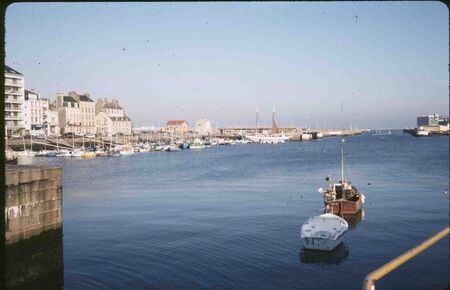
33, 201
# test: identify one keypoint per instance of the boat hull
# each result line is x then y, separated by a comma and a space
340, 207
88, 155
195, 146
324, 232
321, 244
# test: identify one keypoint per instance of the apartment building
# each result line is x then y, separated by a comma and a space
14, 99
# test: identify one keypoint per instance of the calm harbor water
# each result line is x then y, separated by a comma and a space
229, 216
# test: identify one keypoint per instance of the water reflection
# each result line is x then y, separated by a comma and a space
354, 219
324, 257
36, 263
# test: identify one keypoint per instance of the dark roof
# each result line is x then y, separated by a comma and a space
85, 98
112, 105
69, 99
28, 92
11, 71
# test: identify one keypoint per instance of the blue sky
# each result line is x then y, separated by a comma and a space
387, 62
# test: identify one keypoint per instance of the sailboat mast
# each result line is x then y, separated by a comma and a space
274, 123
257, 117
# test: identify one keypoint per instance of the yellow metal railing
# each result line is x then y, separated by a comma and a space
369, 281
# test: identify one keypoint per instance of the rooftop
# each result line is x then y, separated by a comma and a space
176, 122
84, 98
112, 105
11, 71
69, 99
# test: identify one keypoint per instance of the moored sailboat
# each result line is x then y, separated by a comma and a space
273, 138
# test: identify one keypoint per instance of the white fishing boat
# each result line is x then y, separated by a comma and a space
197, 144
159, 148
125, 150
77, 153
26, 153
64, 153
171, 148
324, 232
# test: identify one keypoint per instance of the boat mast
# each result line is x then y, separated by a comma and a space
257, 117
274, 124
342, 159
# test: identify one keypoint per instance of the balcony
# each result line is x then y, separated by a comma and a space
13, 118
12, 109
14, 100
13, 92
17, 83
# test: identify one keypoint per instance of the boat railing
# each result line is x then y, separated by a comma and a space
369, 281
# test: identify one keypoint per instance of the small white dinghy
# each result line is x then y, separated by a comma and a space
324, 232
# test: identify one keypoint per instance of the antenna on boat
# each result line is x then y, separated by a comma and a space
342, 159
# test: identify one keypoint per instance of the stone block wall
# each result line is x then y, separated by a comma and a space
33, 201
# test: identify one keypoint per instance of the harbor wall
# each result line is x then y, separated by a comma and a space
33, 201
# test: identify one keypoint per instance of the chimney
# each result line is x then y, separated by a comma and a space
59, 100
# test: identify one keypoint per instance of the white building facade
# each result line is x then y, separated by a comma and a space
35, 111
69, 115
111, 119
203, 127
53, 128
14, 99
87, 112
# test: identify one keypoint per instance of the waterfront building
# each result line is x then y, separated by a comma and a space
14, 99
433, 123
69, 115
111, 119
176, 126
428, 120
53, 121
87, 112
203, 127
35, 111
